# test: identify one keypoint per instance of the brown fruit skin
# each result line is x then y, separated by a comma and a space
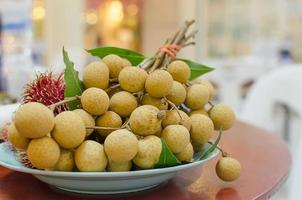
180, 71
172, 117
132, 79
177, 137
123, 103
228, 169
66, 161
43, 152
202, 111
197, 96
108, 119
157, 102
34, 120
87, 119
185, 120
186, 155
15, 138
201, 129
69, 131
119, 166
96, 74
115, 64
90, 157
208, 84
95, 101
159, 83
222, 116
177, 94
121, 145
144, 120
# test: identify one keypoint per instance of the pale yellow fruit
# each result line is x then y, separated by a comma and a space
228, 169
132, 79
43, 152
172, 117
108, 119
15, 138
179, 70
186, 155
119, 166
202, 111
115, 64
185, 120
69, 131
208, 84
90, 157
87, 119
121, 145
146, 120
66, 161
197, 96
95, 101
126, 62
201, 129
159, 83
149, 150
222, 116
159, 103
34, 120
177, 137
177, 94
123, 103
96, 74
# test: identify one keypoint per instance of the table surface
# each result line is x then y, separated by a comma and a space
264, 157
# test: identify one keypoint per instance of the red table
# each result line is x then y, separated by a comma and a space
265, 163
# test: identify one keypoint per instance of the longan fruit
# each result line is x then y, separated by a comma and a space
121, 145
90, 157
208, 84
177, 94
34, 120
180, 71
96, 74
123, 103
66, 161
201, 129
119, 166
202, 111
197, 96
228, 169
115, 64
69, 131
185, 120
132, 79
172, 117
15, 138
108, 119
222, 116
149, 150
186, 155
159, 83
126, 62
95, 101
177, 137
157, 102
87, 119
43, 152
146, 120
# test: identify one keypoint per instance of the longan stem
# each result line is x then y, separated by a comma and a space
125, 123
212, 148
66, 100
101, 128
112, 87
223, 153
113, 80
211, 104
174, 107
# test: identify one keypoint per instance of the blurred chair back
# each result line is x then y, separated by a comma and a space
6, 113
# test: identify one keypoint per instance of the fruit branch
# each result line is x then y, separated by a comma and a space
113, 87
212, 148
101, 128
174, 107
66, 100
224, 153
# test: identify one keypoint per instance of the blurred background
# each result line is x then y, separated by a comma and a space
255, 46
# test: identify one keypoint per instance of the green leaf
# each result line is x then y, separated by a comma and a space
134, 57
212, 148
167, 158
73, 84
196, 68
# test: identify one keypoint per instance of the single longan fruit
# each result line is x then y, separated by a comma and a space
119, 166
87, 119
96, 74
90, 157
197, 96
222, 116
146, 120
201, 129
66, 161
202, 111
177, 137
108, 119
161, 104
34, 120
132, 79
121, 145
43, 152
177, 94
208, 84
69, 131
179, 70
228, 169
159, 83
15, 138
149, 150
115, 64
185, 120
123, 103
186, 155
95, 101
172, 117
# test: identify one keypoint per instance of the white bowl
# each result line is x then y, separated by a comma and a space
99, 182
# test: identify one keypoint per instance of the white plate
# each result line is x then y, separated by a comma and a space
99, 182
